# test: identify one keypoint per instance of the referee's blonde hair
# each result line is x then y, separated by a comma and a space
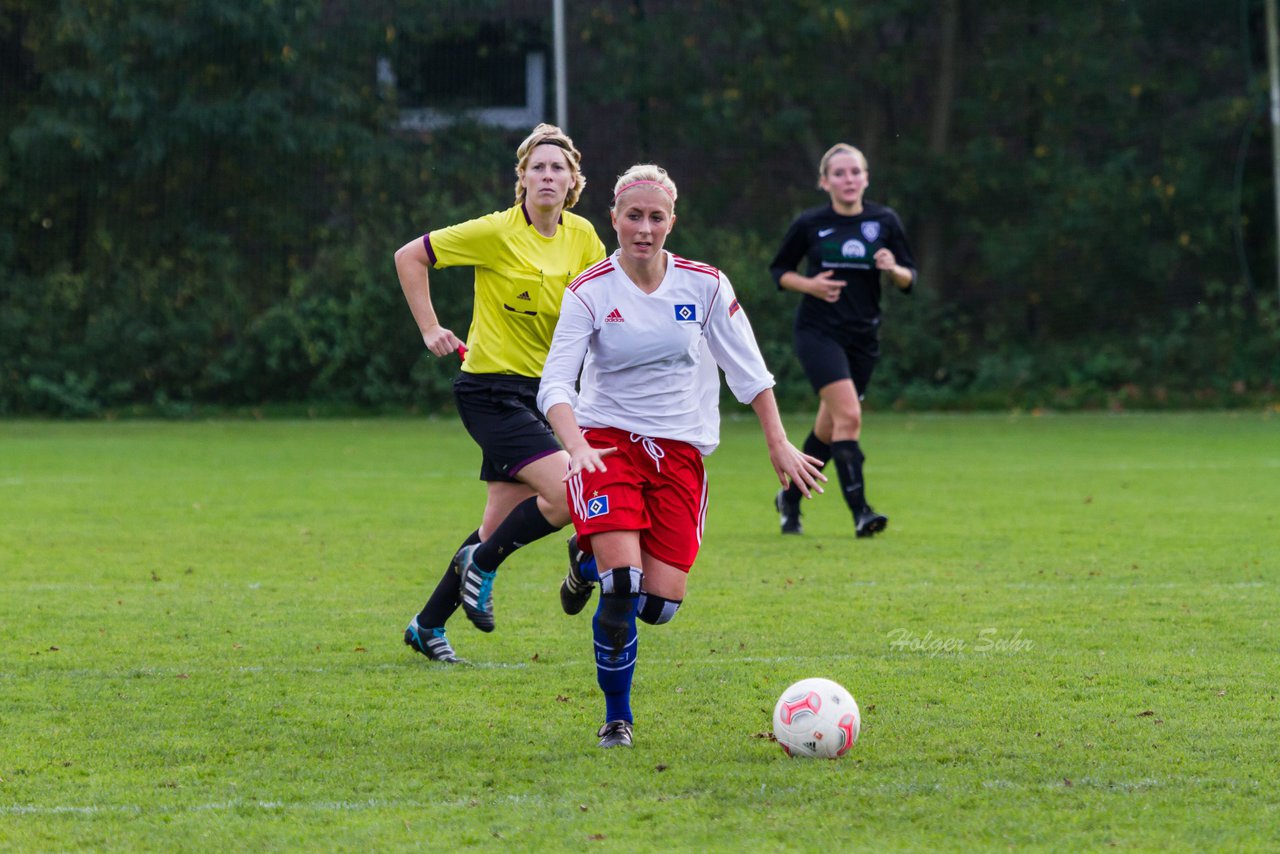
545, 134
644, 174
838, 148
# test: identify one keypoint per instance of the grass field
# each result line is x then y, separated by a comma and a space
1068, 639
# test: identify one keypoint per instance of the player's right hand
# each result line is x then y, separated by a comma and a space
441, 341
587, 459
824, 287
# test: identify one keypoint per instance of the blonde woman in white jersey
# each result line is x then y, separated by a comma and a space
640, 330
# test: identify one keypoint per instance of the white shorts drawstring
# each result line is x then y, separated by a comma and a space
652, 448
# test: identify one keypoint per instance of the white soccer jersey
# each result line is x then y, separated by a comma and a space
646, 360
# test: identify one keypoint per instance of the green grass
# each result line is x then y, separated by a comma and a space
1066, 640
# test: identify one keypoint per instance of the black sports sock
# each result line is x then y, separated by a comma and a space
848, 459
523, 525
814, 447
447, 595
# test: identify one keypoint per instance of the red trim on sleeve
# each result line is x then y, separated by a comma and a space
711, 303
584, 305
600, 268
697, 267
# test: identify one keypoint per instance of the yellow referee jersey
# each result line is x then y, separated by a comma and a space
520, 281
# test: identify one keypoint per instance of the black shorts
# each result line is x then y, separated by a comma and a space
826, 360
500, 412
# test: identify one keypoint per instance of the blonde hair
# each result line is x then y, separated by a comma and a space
545, 134
645, 174
838, 148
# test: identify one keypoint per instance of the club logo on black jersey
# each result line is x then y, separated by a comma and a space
853, 249
871, 230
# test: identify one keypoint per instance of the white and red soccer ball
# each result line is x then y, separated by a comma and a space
816, 718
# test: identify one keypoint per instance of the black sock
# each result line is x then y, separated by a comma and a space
523, 525
848, 459
447, 595
814, 447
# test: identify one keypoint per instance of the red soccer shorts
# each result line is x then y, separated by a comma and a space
655, 486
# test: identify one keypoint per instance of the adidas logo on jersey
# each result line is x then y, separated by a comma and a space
614, 316
524, 296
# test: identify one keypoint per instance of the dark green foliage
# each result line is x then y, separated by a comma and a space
200, 198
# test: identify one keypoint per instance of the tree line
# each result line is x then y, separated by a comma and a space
201, 197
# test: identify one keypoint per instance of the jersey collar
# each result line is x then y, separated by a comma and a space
528, 221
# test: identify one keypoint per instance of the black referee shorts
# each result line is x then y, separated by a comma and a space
826, 360
500, 412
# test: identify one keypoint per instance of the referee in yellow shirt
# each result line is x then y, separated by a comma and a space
524, 257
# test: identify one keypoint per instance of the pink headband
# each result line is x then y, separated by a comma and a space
626, 187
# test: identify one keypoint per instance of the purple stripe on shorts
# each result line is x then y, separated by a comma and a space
511, 472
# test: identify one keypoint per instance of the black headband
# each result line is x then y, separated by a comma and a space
558, 143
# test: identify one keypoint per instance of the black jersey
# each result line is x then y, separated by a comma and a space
845, 245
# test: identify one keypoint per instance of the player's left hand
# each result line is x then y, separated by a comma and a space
794, 466
884, 259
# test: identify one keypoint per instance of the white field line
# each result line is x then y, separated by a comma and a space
894, 789
437, 474
889, 468
172, 672
130, 673
1064, 586
182, 476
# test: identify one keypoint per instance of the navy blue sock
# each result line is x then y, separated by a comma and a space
587, 568
523, 525
447, 595
619, 601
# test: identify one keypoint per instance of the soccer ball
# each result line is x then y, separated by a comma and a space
816, 718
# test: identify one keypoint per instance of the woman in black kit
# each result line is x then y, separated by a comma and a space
850, 246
